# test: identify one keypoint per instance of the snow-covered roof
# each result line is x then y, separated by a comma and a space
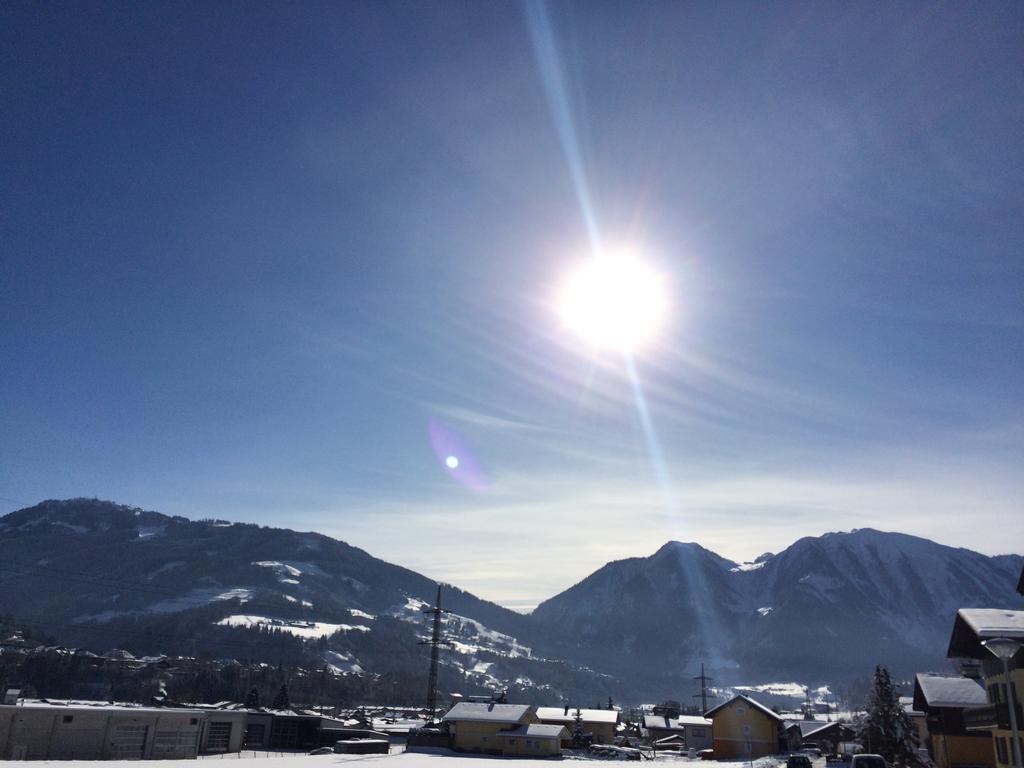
973, 625
740, 697
935, 691
807, 727
661, 722
102, 706
563, 715
693, 720
490, 713
538, 731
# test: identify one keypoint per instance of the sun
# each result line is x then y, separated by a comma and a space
613, 302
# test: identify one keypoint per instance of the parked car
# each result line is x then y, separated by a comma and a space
706, 754
868, 761
798, 761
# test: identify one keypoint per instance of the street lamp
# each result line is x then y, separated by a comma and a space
1003, 648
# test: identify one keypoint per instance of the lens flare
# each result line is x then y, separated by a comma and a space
455, 457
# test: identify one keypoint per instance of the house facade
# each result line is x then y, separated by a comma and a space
601, 724
973, 626
745, 729
943, 700
478, 727
696, 731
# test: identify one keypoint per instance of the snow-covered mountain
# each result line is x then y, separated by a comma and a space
100, 575
825, 609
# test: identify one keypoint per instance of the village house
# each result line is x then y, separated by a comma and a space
802, 734
949, 743
745, 729
601, 724
478, 727
661, 727
974, 626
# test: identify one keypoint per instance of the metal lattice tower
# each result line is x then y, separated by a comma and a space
435, 642
703, 695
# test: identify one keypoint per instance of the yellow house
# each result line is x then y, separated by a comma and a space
477, 727
745, 729
942, 700
973, 628
599, 723
534, 740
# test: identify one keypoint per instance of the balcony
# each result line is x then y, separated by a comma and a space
990, 718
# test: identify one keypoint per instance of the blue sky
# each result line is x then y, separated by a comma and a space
250, 252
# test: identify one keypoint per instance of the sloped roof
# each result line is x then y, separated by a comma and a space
936, 692
807, 727
490, 713
538, 731
973, 625
693, 720
755, 704
588, 715
662, 722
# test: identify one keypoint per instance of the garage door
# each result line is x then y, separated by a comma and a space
128, 742
219, 737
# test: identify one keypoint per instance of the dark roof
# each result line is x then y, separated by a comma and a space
494, 713
748, 700
538, 730
807, 727
973, 625
939, 692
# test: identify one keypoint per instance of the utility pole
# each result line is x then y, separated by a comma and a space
703, 695
435, 642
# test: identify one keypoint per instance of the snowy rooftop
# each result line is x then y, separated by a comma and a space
740, 699
495, 713
693, 720
660, 721
539, 730
973, 625
934, 691
807, 727
563, 715
97, 705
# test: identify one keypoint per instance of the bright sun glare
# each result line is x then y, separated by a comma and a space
615, 301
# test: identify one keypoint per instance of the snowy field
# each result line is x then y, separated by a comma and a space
394, 760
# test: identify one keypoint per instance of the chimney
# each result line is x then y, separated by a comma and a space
566, 710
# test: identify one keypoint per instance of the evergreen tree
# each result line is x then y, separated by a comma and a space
281, 700
252, 701
887, 729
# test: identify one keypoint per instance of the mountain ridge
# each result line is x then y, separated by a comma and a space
638, 625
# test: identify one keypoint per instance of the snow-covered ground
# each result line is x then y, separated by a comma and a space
394, 760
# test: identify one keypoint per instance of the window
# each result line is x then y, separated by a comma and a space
698, 731
746, 730
748, 747
68, 718
740, 710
